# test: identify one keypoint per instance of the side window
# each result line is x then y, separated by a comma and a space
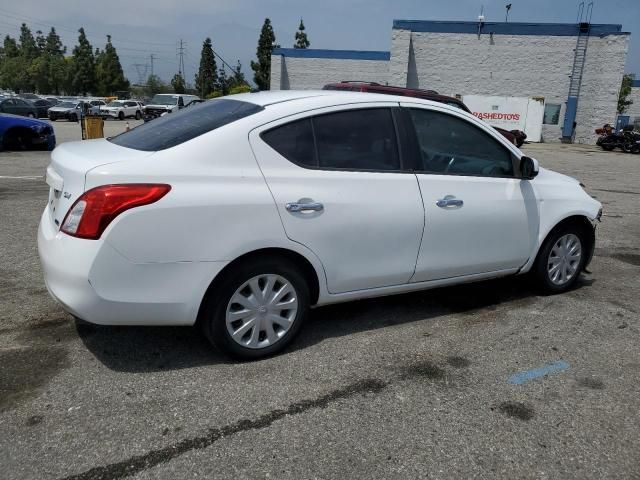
451, 145
294, 141
551, 114
357, 140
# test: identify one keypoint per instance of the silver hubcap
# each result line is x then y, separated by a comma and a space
261, 311
564, 259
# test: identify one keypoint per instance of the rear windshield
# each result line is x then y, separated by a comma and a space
175, 128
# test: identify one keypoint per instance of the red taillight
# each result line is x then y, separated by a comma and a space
90, 215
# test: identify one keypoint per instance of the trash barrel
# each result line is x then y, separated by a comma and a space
94, 127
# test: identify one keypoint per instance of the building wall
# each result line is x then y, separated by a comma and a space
306, 73
601, 81
507, 59
514, 65
634, 109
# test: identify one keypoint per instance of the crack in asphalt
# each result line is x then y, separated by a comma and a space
152, 458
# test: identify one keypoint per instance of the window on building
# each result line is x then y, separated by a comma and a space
551, 114
453, 146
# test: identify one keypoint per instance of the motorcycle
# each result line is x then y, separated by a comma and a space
626, 139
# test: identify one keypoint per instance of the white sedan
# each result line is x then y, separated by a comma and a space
241, 213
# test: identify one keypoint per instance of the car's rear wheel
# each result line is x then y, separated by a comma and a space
257, 309
138, 115
561, 258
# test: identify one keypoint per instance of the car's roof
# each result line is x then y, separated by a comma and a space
322, 98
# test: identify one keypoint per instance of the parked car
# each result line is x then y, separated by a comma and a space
167, 103
29, 96
517, 137
68, 110
122, 109
42, 107
239, 214
20, 133
18, 106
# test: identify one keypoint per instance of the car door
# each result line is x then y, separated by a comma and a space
480, 217
340, 188
10, 106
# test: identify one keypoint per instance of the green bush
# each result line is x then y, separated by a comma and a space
214, 94
239, 89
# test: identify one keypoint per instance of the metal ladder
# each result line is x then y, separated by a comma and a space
578, 61
577, 71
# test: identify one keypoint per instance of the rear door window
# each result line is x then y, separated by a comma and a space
176, 128
357, 140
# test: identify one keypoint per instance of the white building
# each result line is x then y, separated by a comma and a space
576, 68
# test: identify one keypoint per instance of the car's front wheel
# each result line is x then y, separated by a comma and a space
561, 259
257, 309
138, 115
121, 116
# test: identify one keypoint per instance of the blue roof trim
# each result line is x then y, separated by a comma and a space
502, 28
635, 83
332, 54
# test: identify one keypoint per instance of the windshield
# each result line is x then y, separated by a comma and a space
164, 100
171, 130
66, 105
116, 104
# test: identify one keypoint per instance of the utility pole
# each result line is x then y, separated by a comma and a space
506, 18
152, 58
181, 59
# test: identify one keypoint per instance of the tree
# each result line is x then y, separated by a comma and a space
83, 66
223, 82
10, 76
207, 76
56, 62
177, 82
155, 85
28, 53
237, 79
110, 76
625, 91
301, 37
262, 68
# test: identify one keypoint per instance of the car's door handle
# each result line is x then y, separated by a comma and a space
304, 207
449, 201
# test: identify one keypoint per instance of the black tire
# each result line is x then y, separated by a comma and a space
73, 118
540, 267
213, 313
607, 146
138, 115
121, 116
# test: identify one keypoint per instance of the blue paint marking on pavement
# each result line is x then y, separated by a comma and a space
524, 377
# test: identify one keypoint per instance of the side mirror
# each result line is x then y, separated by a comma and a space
529, 168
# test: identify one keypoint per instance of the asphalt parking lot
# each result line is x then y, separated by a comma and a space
423, 385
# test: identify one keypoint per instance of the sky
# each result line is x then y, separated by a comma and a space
141, 28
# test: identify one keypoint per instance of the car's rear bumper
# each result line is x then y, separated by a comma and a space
94, 282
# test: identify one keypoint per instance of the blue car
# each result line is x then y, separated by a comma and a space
23, 133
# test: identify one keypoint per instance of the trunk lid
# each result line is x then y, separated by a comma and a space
70, 162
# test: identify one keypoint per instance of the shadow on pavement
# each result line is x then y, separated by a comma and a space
145, 349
